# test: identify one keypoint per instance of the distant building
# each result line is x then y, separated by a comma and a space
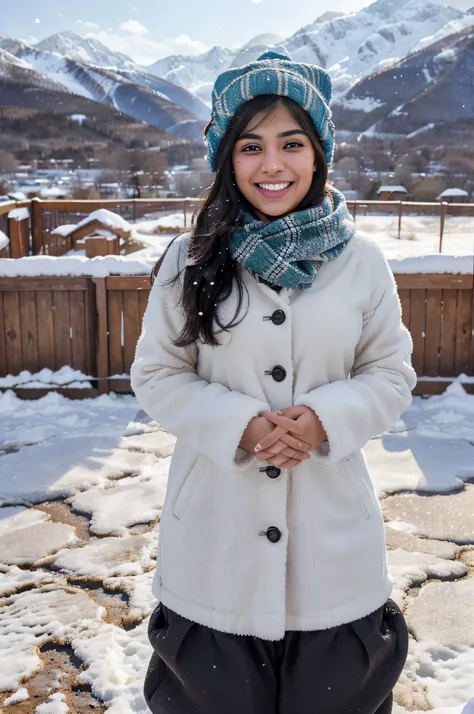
352, 195
453, 195
392, 193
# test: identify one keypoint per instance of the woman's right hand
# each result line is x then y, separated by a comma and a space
257, 429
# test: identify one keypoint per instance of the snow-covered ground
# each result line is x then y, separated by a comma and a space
82, 484
419, 234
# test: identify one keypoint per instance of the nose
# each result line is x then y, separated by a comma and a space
272, 162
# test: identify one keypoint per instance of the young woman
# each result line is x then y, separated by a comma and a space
273, 348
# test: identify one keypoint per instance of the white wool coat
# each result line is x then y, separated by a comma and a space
347, 356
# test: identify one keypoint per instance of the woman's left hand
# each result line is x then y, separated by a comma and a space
302, 430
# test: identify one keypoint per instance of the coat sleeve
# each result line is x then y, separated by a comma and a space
354, 410
208, 417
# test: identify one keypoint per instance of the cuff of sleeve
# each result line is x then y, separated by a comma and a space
330, 451
242, 459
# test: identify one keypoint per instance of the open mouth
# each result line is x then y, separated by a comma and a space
274, 190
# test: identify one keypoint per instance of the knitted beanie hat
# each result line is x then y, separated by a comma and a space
272, 73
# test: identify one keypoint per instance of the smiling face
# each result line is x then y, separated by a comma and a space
274, 163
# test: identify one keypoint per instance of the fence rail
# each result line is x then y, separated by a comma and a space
93, 324
47, 215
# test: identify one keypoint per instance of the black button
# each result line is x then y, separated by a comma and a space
278, 373
273, 534
278, 317
272, 471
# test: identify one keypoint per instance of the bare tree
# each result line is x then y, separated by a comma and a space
191, 185
8, 162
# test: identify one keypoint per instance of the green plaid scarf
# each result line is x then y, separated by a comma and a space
289, 251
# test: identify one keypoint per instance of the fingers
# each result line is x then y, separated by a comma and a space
295, 443
285, 455
270, 440
294, 412
272, 451
285, 422
288, 446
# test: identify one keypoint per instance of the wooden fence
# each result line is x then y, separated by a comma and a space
93, 324
47, 322
47, 215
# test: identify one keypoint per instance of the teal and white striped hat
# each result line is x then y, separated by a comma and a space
272, 73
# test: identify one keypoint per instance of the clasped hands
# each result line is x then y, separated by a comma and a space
284, 438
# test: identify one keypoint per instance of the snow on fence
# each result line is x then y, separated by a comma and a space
47, 215
92, 324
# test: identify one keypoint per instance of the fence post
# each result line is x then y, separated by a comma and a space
184, 212
15, 238
19, 232
355, 212
102, 344
442, 215
399, 220
36, 226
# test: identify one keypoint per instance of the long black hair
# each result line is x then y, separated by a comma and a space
210, 273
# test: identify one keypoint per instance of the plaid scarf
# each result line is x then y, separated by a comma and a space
289, 251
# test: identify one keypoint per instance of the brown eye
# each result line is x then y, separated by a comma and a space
251, 147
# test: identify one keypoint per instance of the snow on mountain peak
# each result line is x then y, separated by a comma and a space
70, 44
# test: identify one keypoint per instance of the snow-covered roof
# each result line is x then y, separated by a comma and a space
102, 215
392, 189
107, 218
453, 192
64, 230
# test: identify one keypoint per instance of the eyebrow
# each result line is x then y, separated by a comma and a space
291, 132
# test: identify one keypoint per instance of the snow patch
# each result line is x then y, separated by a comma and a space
66, 376
78, 118
29, 536
56, 704
113, 510
19, 696
422, 130
19, 214
4, 240
361, 104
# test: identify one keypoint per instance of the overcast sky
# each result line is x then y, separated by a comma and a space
150, 29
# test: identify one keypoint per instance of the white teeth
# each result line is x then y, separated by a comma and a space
274, 186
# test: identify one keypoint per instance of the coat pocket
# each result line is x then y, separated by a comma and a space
189, 487
350, 468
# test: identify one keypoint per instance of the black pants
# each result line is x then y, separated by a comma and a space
347, 669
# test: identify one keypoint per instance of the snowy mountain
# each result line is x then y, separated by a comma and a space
263, 40
196, 74
39, 113
350, 47
426, 92
15, 71
70, 44
356, 45
132, 91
